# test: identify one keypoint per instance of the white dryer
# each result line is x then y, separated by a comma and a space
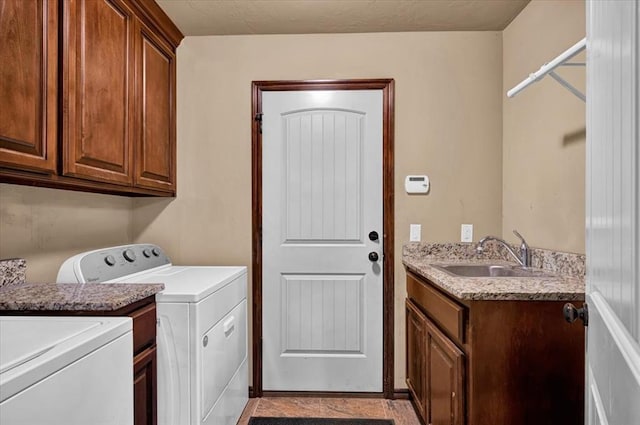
202, 329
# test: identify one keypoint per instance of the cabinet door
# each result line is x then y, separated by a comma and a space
145, 387
28, 84
417, 358
155, 148
97, 87
445, 378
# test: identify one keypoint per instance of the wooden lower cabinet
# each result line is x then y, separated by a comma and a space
491, 362
145, 379
445, 372
145, 387
416, 340
435, 371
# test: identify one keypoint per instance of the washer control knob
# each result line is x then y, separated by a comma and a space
129, 255
110, 260
146, 252
156, 252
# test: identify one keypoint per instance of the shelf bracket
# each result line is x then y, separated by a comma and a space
568, 85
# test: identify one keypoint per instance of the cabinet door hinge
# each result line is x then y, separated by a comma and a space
258, 118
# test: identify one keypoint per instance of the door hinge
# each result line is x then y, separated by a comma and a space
258, 118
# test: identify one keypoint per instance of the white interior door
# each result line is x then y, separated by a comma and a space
613, 213
322, 195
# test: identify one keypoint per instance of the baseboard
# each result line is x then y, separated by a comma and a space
401, 394
320, 394
398, 394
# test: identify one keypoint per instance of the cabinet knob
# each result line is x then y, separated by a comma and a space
571, 313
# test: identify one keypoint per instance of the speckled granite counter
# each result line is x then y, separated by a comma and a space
74, 297
566, 285
12, 271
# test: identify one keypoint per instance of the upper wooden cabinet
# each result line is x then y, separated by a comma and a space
28, 82
117, 130
155, 153
97, 90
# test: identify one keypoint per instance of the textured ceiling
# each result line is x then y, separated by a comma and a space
221, 17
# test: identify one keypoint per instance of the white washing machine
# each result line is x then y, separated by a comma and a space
66, 370
202, 329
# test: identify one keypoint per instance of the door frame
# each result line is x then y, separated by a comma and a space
388, 105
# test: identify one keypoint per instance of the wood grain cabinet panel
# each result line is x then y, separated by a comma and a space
28, 84
417, 361
435, 371
111, 66
155, 152
504, 361
445, 371
97, 90
145, 387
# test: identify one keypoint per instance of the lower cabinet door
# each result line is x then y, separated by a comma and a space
445, 379
144, 387
416, 358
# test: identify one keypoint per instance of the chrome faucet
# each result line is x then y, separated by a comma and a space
523, 258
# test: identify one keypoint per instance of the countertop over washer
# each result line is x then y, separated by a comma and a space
74, 296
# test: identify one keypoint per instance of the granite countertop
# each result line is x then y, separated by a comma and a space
74, 296
12, 271
566, 284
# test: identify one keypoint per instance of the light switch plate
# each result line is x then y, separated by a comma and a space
415, 231
466, 233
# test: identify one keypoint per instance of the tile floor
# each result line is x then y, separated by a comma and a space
400, 411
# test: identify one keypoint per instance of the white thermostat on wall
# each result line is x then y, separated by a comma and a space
416, 184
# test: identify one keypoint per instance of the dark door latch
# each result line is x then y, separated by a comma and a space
571, 313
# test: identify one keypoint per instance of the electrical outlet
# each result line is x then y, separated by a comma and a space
415, 231
466, 233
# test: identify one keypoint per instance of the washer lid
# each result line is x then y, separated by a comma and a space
188, 283
20, 344
32, 348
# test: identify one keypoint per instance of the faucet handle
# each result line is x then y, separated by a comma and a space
525, 251
515, 232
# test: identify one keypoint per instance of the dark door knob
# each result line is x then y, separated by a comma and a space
571, 313
373, 256
373, 236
